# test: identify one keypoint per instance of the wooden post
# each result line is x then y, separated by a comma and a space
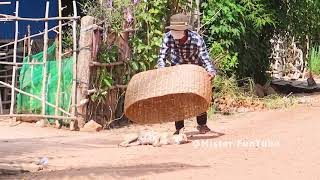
124, 48
83, 64
6, 91
30, 60
45, 56
29, 42
74, 123
74, 82
59, 64
24, 47
14, 60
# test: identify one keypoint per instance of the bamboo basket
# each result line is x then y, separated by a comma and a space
168, 94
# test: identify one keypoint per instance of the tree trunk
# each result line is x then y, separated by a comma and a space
84, 58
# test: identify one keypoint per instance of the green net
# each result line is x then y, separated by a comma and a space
30, 81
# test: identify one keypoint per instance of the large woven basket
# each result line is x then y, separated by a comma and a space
168, 94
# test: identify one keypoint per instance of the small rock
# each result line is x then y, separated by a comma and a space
259, 90
31, 167
91, 126
41, 123
43, 161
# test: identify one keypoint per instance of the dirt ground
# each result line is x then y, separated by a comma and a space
279, 144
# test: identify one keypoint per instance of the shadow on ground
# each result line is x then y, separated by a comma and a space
20, 146
194, 135
112, 171
10, 172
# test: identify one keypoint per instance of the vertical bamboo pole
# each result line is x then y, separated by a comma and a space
45, 56
24, 47
25, 43
29, 42
73, 125
59, 63
74, 82
14, 60
29, 60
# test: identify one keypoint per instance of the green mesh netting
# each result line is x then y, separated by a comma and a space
30, 81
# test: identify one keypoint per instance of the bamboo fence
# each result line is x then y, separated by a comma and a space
15, 65
27, 41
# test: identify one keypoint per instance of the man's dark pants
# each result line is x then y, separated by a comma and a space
201, 120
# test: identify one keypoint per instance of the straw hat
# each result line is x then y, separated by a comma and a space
179, 22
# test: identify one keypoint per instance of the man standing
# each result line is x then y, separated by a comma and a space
186, 47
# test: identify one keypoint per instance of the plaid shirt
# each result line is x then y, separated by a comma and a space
193, 51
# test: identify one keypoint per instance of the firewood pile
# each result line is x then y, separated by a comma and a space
287, 60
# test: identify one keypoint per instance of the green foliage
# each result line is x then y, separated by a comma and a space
67, 36
108, 54
112, 16
151, 17
67, 40
236, 29
237, 32
231, 92
225, 85
302, 18
314, 60
233, 87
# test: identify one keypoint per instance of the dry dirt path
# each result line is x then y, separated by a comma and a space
282, 144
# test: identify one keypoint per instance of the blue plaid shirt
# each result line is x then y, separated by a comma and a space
193, 51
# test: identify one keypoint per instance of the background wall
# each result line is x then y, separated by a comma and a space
30, 9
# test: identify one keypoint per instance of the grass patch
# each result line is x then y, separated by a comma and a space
314, 60
278, 102
229, 97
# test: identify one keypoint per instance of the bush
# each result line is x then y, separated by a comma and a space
314, 60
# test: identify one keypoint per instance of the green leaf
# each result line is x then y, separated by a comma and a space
135, 65
143, 66
108, 82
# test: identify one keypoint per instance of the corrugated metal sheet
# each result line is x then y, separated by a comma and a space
30, 9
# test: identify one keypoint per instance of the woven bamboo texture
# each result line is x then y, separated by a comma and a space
168, 94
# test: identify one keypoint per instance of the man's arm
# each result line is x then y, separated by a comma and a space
204, 56
164, 48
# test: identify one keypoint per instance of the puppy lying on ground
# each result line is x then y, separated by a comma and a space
155, 139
